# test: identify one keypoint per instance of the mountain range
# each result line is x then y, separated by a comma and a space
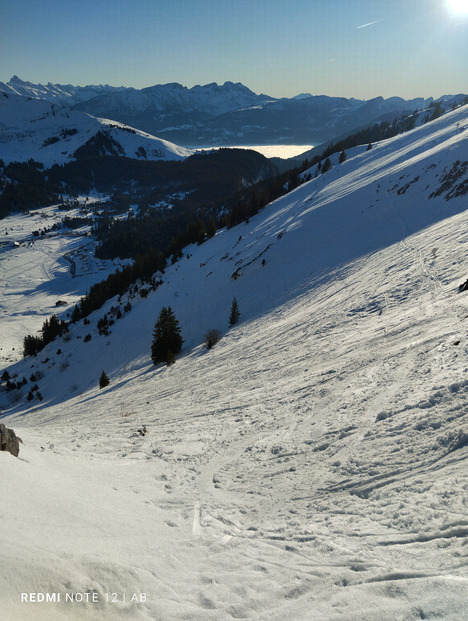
56, 93
229, 114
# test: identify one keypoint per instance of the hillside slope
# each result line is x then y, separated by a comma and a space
50, 133
312, 465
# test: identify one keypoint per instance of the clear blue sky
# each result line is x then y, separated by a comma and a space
350, 48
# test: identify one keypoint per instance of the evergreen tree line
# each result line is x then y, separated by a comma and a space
145, 265
202, 179
205, 184
164, 232
210, 175
51, 328
24, 186
368, 135
116, 284
379, 131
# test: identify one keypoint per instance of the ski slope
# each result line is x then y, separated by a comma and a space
312, 465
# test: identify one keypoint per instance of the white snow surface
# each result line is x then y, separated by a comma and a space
38, 271
51, 133
311, 466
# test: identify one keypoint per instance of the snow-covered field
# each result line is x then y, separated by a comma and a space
37, 271
311, 466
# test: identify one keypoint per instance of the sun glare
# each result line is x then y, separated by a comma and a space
458, 6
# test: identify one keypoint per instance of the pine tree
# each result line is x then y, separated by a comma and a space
342, 157
211, 228
437, 110
103, 380
31, 345
76, 314
52, 328
167, 340
235, 313
170, 358
326, 165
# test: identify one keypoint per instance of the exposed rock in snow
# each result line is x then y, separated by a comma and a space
8, 440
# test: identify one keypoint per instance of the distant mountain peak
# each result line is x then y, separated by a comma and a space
62, 93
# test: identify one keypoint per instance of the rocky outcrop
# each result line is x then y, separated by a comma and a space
9, 441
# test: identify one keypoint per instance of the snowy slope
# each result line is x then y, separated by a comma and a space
312, 465
33, 128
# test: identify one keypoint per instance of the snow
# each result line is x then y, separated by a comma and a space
57, 93
173, 98
50, 133
312, 465
36, 272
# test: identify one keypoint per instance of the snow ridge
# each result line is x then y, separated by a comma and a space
57, 93
50, 133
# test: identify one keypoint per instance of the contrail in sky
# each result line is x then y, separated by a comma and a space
369, 24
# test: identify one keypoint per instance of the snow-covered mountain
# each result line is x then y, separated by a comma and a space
51, 134
211, 99
57, 93
233, 115
312, 465
228, 114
